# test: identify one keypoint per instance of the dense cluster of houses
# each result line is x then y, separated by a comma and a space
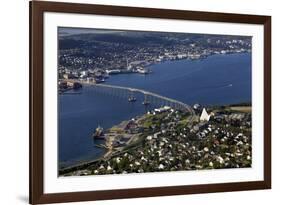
221, 139
115, 57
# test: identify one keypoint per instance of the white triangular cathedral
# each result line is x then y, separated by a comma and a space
204, 115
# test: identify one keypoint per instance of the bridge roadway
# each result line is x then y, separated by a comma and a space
148, 93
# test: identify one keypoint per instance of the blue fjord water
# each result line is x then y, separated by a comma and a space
216, 80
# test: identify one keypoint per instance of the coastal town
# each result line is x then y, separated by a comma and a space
165, 139
94, 57
170, 135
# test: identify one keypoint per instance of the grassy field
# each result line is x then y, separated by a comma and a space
241, 108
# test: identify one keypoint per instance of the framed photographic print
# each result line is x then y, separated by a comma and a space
139, 102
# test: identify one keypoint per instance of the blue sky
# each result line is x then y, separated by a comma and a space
63, 31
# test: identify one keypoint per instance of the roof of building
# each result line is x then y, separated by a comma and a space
204, 115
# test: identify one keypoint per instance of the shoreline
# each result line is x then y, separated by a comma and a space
149, 64
180, 59
111, 150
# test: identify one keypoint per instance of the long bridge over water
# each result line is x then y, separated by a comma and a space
148, 97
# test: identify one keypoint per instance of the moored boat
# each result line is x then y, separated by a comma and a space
99, 134
132, 99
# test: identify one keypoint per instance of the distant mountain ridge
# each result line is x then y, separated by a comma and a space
139, 38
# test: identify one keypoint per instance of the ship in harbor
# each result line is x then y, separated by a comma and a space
99, 134
143, 70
